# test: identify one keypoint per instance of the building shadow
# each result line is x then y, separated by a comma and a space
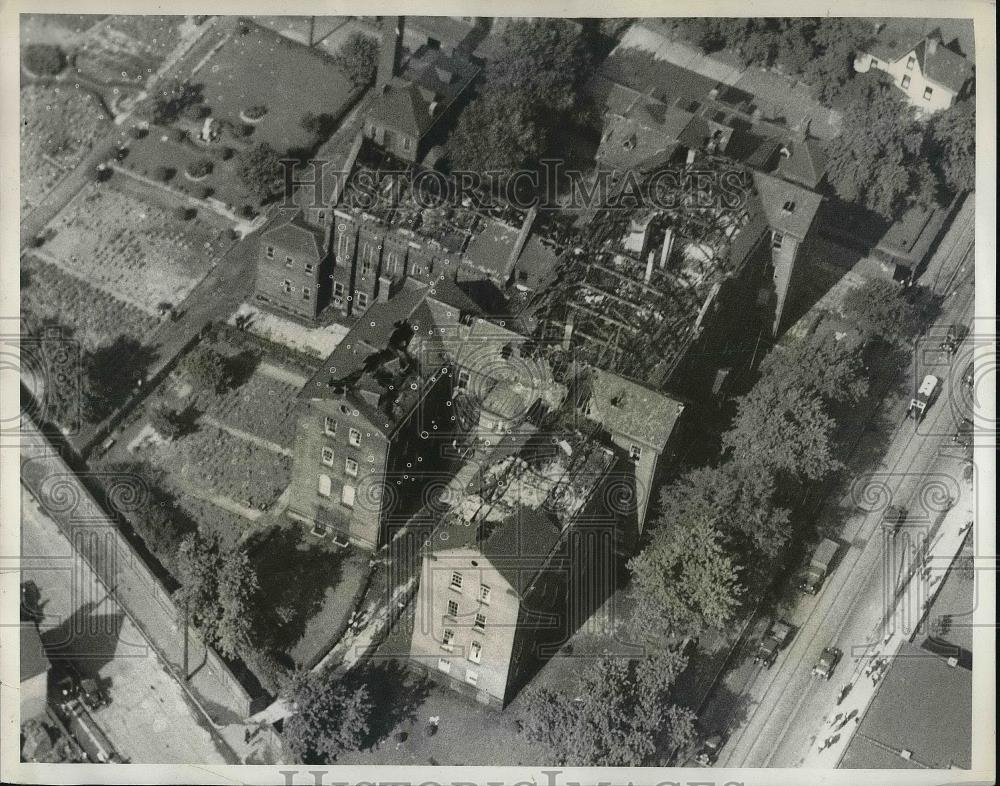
88, 638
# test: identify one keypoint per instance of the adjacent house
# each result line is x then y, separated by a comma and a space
35, 668
293, 268
930, 74
527, 557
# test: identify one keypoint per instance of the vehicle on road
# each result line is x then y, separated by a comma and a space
708, 754
956, 334
827, 662
926, 394
969, 375
66, 680
894, 518
812, 578
777, 636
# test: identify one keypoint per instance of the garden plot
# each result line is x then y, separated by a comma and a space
261, 68
128, 48
59, 125
316, 341
221, 465
95, 317
262, 406
136, 251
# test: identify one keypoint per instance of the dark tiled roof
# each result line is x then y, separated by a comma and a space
491, 248
897, 38
33, 658
297, 237
805, 165
537, 262
944, 66
401, 105
910, 238
631, 409
775, 193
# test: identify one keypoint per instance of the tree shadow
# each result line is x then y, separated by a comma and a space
240, 368
293, 577
113, 372
396, 694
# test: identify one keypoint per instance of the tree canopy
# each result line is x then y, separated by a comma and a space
881, 310
622, 710
357, 57
259, 169
821, 363
330, 718
953, 144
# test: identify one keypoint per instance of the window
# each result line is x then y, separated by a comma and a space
456, 581
906, 80
635, 452
347, 496
306, 292
776, 240
472, 677
269, 252
329, 426
286, 285
354, 438
928, 92
475, 651
366, 268
351, 467
362, 300
452, 608
444, 665
325, 485
310, 267
448, 639
327, 456
343, 246
289, 262
406, 143
484, 594
480, 623
912, 61
463, 379
338, 289
789, 206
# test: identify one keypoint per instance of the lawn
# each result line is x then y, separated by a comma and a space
263, 68
262, 406
128, 48
134, 250
95, 317
59, 125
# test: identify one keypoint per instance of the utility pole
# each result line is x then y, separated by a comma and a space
186, 672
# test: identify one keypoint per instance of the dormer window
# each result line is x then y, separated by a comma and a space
789, 206
928, 92
289, 261
629, 142
776, 240
269, 252
912, 61
635, 452
905, 82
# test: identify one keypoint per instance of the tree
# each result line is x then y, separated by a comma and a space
174, 98
873, 160
166, 422
317, 125
330, 718
496, 133
784, 428
207, 368
684, 581
357, 57
739, 499
953, 144
622, 709
881, 310
53, 366
44, 59
216, 589
112, 374
259, 170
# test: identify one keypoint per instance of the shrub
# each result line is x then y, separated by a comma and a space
225, 153
183, 213
44, 59
255, 112
163, 174
203, 191
138, 132
178, 134
247, 211
199, 168
121, 153
317, 125
36, 241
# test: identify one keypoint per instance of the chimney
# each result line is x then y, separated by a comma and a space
649, 266
932, 45
384, 289
388, 61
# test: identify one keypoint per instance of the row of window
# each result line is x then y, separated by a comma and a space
288, 288
475, 648
350, 465
347, 492
310, 267
471, 677
330, 429
457, 580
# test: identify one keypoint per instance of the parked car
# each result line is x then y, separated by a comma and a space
709, 752
951, 342
894, 517
827, 662
92, 694
772, 643
812, 578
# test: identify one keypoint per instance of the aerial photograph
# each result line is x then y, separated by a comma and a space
494, 391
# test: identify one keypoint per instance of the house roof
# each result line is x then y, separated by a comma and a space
401, 105
490, 249
537, 262
631, 409
897, 38
806, 163
937, 725
33, 658
297, 237
944, 66
909, 238
775, 194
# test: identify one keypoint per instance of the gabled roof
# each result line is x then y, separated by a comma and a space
631, 409
898, 38
297, 237
944, 66
774, 194
806, 163
402, 105
33, 658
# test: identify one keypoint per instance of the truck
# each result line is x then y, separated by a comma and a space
774, 641
812, 578
925, 396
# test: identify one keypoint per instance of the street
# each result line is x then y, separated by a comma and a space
775, 718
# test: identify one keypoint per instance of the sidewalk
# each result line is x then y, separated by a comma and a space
914, 595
